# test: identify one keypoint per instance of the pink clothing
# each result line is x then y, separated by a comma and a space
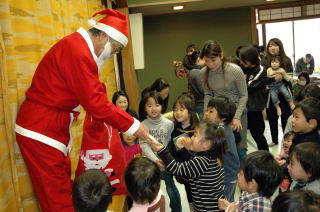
157, 205
132, 152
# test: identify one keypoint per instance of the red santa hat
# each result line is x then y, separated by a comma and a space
115, 24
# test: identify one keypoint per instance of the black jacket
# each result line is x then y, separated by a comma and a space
257, 88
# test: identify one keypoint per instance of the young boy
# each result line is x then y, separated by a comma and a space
259, 177
305, 121
220, 110
91, 191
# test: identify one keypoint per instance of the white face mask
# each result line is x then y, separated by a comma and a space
303, 83
105, 54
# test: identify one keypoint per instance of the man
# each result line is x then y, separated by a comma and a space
66, 78
305, 64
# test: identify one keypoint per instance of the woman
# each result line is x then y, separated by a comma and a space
303, 81
225, 78
257, 94
275, 48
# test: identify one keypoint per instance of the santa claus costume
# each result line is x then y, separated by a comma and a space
66, 77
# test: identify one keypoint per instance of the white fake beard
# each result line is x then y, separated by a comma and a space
106, 53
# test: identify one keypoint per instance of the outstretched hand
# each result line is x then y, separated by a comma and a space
142, 132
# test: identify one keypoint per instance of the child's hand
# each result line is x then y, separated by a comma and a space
223, 204
160, 163
154, 144
281, 162
226, 205
186, 142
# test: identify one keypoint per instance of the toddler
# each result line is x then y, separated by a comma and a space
131, 147
283, 159
304, 167
279, 86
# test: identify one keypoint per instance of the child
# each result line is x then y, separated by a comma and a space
121, 99
304, 167
283, 159
160, 128
185, 119
131, 147
220, 110
305, 121
259, 177
203, 171
142, 178
297, 201
279, 86
91, 191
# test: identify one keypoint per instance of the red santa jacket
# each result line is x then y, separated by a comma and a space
66, 77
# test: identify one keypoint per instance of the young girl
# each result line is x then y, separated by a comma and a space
220, 110
131, 147
203, 171
121, 99
185, 119
222, 78
142, 178
304, 167
162, 87
160, 128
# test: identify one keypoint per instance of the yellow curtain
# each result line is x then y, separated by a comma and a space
28, 29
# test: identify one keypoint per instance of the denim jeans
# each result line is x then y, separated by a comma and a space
275, 89
173, 193
229, 190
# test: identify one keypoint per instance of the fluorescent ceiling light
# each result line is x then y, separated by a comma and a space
270, 0
178, 7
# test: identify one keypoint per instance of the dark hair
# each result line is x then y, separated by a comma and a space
212, 49
226, 109
91, 191
308, 154
117, 94
264, 169
311, 90
308, 56
288, 134
216, 135
250, 54
187, 102
310, 108
158, 85
297, 201
276, 58
191, 47
282, 53
152, 94
142, 177
305, 75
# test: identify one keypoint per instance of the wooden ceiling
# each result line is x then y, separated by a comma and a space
157, 7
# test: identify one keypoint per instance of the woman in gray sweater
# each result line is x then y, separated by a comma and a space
222, 78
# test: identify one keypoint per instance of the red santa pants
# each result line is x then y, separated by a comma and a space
50, 173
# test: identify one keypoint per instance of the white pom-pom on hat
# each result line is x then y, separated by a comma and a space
91, 22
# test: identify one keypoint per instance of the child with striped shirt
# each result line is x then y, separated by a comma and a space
204, 171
